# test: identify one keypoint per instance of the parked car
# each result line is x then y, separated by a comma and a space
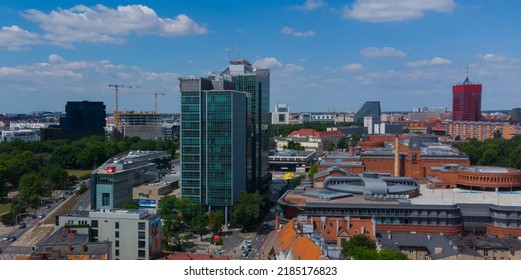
245, 253
22, 225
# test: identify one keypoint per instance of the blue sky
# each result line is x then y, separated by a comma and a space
323, 55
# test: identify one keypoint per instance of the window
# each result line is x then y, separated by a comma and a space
117, 243
117, 225
141, 235
485, 253
141, 244
141, 226
411, 251
94, 223
117, 253
117, 234
105, 199
141, 253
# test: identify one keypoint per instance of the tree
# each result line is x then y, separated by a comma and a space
247, 212
295, 181
216, 221
132, 204
330, 146
294, 146
387, 254
312, 170
31, 188
199, 223
178, 215
355, 246
342, 143
497, 134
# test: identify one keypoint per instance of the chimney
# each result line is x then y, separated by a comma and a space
396, 156
351, 151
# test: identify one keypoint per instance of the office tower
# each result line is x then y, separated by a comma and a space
369, 109
466, 101
82, 119
213, 142
256, 82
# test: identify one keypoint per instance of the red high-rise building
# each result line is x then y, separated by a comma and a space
466, 101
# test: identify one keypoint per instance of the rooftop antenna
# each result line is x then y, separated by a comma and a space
467, 81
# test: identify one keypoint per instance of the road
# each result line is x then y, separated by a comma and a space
39, 229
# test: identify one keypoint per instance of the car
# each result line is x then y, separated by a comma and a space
22, 225
7, 237
12, 239
47, 206
41, 215
245, 253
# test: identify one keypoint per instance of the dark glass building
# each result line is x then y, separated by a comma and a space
369, 109
256, 82
82, 119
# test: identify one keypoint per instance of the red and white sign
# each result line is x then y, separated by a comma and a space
111, 169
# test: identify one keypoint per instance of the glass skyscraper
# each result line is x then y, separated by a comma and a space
213, 142
369, 109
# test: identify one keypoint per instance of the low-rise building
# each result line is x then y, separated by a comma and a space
135, 234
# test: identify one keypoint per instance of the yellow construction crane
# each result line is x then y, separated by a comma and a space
116, 110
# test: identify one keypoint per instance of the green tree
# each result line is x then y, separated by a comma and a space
294, 146
247, 212
387, 254
200, 223
32, 188
356, 245
216, 221
330, 146
178, 215
295, 181
343, 143
132, 204
313, 170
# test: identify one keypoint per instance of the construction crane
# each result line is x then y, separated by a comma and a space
116, 110
155, 100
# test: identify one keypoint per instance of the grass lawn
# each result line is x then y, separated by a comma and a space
5, 208
78, 173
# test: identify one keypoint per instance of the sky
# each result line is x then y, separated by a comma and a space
324, 56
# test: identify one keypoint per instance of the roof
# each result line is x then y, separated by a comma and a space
302, 132
191, 256
294, 245
438, 246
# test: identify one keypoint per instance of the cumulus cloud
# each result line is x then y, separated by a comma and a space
267, 62
490, 57
394, 11
352, 67
15, 38
379, 52
54, 58
434, 61
101, 24
290, 31
310, 5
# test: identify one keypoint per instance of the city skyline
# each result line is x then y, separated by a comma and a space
323, 55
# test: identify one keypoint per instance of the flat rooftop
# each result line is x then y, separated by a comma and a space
426, 197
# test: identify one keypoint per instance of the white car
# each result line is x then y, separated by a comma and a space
7, 237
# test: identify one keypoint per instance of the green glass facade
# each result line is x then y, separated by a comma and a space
213, 143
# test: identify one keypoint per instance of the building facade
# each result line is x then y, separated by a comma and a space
213, 142
135, 234
480, 130
369, 109
281, 114
112, 183
466, 101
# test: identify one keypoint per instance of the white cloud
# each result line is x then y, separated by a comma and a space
100, 24
293, 68
54, 58
353, 67
393, 11
290, 31
15, 38
379, 52
310, 5
434, 61
490, 57
267, 62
